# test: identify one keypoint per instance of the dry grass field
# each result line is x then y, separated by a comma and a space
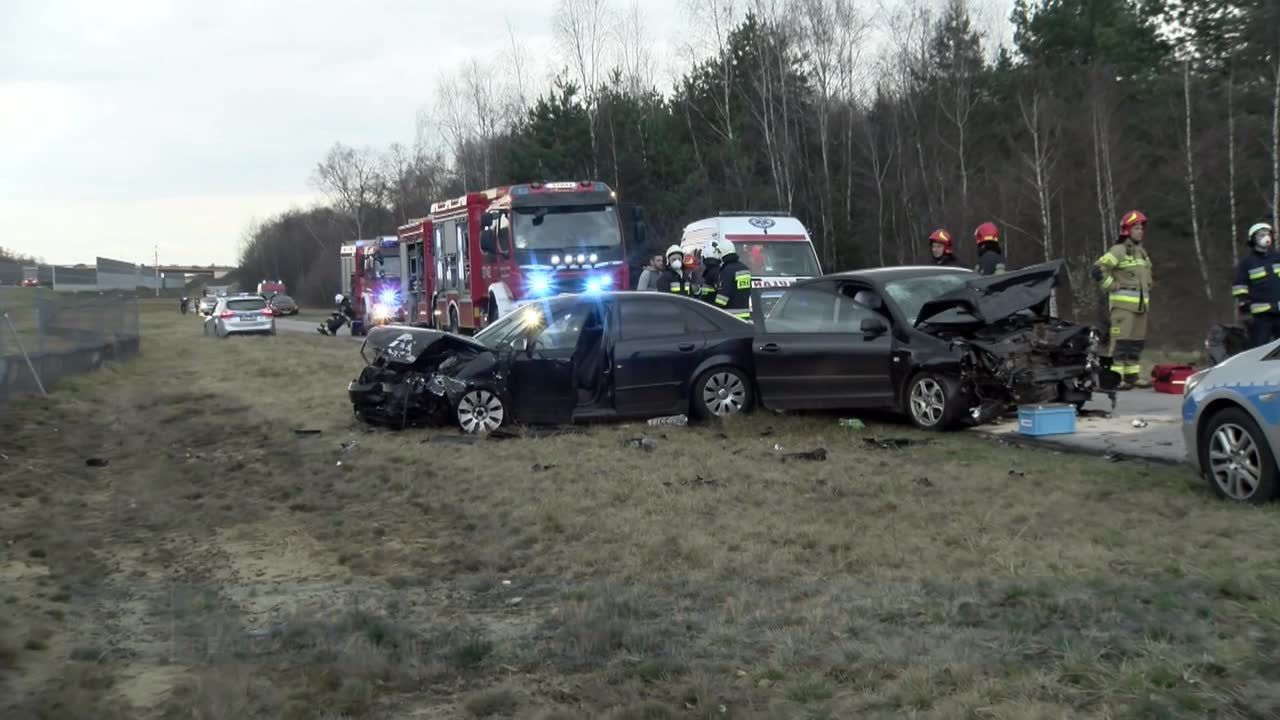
222, 566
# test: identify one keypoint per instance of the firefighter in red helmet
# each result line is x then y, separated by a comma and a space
940, 247
990, 257
1124, 273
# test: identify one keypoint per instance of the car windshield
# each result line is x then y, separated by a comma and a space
246, 305
912, 293
557, 228
493, 335
779, 258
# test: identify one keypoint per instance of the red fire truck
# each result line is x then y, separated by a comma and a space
371, 277
417, 282
490, 252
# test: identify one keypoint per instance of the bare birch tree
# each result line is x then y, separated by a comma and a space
1231, 165
1275, 146
1191, 182
635, 51
351, 179
582, 31
486, 112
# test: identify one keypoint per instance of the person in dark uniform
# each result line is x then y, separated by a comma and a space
990, 257
940, 248
1257, 287
711, 266
733, 289
344, 314
673, 278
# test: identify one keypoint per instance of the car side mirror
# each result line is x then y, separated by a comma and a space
874, 326
488, 242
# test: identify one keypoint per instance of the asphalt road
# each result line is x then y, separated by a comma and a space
1099, 430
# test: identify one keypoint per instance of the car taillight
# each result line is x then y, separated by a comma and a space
226, 314
268, 312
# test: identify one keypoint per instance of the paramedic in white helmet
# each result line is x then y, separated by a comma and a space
674, 280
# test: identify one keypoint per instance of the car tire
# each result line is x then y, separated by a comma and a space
720, 392
933, 402
1246, 469
480, 410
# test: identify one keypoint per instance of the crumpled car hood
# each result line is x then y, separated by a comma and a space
405, 345
992, 298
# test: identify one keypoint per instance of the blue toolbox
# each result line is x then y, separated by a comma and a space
1056, 419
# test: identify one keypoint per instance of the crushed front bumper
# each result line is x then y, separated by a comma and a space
382, 397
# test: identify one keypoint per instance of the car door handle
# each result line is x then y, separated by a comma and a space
687, 347
769, 347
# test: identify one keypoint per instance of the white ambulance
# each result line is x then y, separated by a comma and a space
776, 247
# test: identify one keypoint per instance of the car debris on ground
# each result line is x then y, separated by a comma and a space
97, 462
642, 443
815, 455
892, 443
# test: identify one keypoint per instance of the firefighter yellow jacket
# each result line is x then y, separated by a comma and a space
1125, 272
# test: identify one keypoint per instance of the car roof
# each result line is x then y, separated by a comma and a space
880, 276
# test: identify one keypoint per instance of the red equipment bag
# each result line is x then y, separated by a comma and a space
1171, 378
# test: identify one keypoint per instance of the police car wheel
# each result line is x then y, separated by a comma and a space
721, 392
933, 401
1235, 459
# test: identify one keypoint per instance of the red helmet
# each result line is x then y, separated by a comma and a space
1131, 218
986, 232
943, 237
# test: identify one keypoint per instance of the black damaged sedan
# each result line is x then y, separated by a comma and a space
943, 346
568, 358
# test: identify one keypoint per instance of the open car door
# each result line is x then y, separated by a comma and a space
548, 360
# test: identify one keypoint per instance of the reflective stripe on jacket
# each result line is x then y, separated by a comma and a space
1257, 283
1126, 275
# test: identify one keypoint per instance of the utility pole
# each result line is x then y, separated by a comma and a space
155, 265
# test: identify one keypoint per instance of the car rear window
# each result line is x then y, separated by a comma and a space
247, 305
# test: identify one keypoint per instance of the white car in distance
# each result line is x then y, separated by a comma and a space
240, 314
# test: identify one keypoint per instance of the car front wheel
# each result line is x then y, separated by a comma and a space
1235, 458
933, 401
481, 411
721, 392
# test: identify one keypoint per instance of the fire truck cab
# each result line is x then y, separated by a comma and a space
493, 251
371, 277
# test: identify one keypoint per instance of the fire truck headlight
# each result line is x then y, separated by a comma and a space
555, 259
581, 258
594, 257
539, 284
598, 283
389, 298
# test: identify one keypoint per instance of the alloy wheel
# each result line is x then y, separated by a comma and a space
724, 393
1235, 461
928, 402
480, 411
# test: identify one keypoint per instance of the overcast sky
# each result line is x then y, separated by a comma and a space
131, 124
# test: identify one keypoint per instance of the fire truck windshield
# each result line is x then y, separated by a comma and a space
564, 228
778, 258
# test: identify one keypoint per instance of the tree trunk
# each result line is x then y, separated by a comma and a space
1275, 148
1191, 184
1231, 167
